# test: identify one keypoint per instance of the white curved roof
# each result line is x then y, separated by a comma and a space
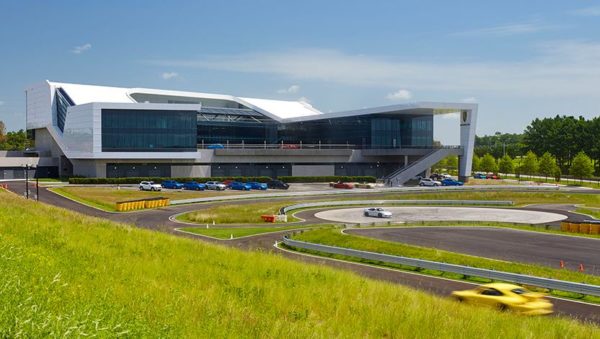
275, 109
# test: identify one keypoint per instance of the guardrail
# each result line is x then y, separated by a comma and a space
286, 209
458, 269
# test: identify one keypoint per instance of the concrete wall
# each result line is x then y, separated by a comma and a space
89, 168
312, 170
196, 171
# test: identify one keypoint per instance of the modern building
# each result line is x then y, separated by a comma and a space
98, 131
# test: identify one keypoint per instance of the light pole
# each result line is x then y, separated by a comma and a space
27, 181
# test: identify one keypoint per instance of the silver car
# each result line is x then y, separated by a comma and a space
429, 182
377, 212
215, 185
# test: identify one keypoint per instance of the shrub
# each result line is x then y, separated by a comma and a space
329, 178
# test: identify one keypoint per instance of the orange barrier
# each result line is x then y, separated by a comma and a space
584, 228
595, 229
573, 228
564, 226
268, 218
124, 206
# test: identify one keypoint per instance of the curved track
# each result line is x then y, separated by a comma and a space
498, 243
158, 219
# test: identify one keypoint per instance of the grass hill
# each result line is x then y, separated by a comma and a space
65, 274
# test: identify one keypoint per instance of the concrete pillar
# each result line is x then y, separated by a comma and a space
468, 122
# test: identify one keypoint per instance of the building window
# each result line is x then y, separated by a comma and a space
148, 131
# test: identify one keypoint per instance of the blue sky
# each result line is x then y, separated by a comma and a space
517, 59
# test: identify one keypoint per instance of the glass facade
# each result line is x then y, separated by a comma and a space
148, 130
63, 101
372, 131
369, 131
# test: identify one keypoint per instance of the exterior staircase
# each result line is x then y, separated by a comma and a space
404, 174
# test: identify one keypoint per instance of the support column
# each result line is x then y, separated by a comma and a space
468, 122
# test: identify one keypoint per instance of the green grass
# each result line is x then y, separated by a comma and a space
105, 198
334, 237
226, 233
235, 213
65, 274
594, 212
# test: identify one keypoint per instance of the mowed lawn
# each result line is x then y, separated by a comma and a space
65, 274
106, 197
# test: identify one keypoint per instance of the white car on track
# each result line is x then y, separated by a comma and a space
215, 185
377, 212
429, 182
149, 186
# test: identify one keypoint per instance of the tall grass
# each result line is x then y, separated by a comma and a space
64, 274
234, 214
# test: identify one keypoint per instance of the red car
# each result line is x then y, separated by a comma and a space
492, 176
290, 146
340, 184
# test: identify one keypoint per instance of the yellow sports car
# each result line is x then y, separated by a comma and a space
506, 297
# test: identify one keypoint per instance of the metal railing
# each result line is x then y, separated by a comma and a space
551, 284
301, 145
286, 209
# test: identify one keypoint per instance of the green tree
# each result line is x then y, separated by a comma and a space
581, 166
476, 163
488, 163
505, 165
452, 163
529, 164
547, 165
15, 141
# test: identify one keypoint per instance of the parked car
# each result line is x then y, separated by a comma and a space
506, 297
429, 182
215, 185
171, 184
451, 182
446, 176
341, 184
278, 184
435, 176
194, 186
290, 146
492, 176
257, 185
215, 146
377, 212
480, 176
239, 186
149, 186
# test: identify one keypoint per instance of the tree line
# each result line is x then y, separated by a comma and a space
13, 141
564, 138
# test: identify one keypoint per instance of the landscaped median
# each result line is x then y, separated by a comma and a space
335, 237
65, 274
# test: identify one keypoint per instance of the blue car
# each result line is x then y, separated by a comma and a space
479, 176
451, 182
215, 146
240, 186
172, 184
257, 185
194, 186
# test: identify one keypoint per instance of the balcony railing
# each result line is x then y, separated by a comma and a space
301, 145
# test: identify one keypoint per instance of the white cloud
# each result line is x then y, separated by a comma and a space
169, 75
81, 49
401, 94
558, 68
291, 89
469, 100
507, 29
588, 11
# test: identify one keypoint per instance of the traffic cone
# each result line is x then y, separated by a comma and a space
581, 268
562, 264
